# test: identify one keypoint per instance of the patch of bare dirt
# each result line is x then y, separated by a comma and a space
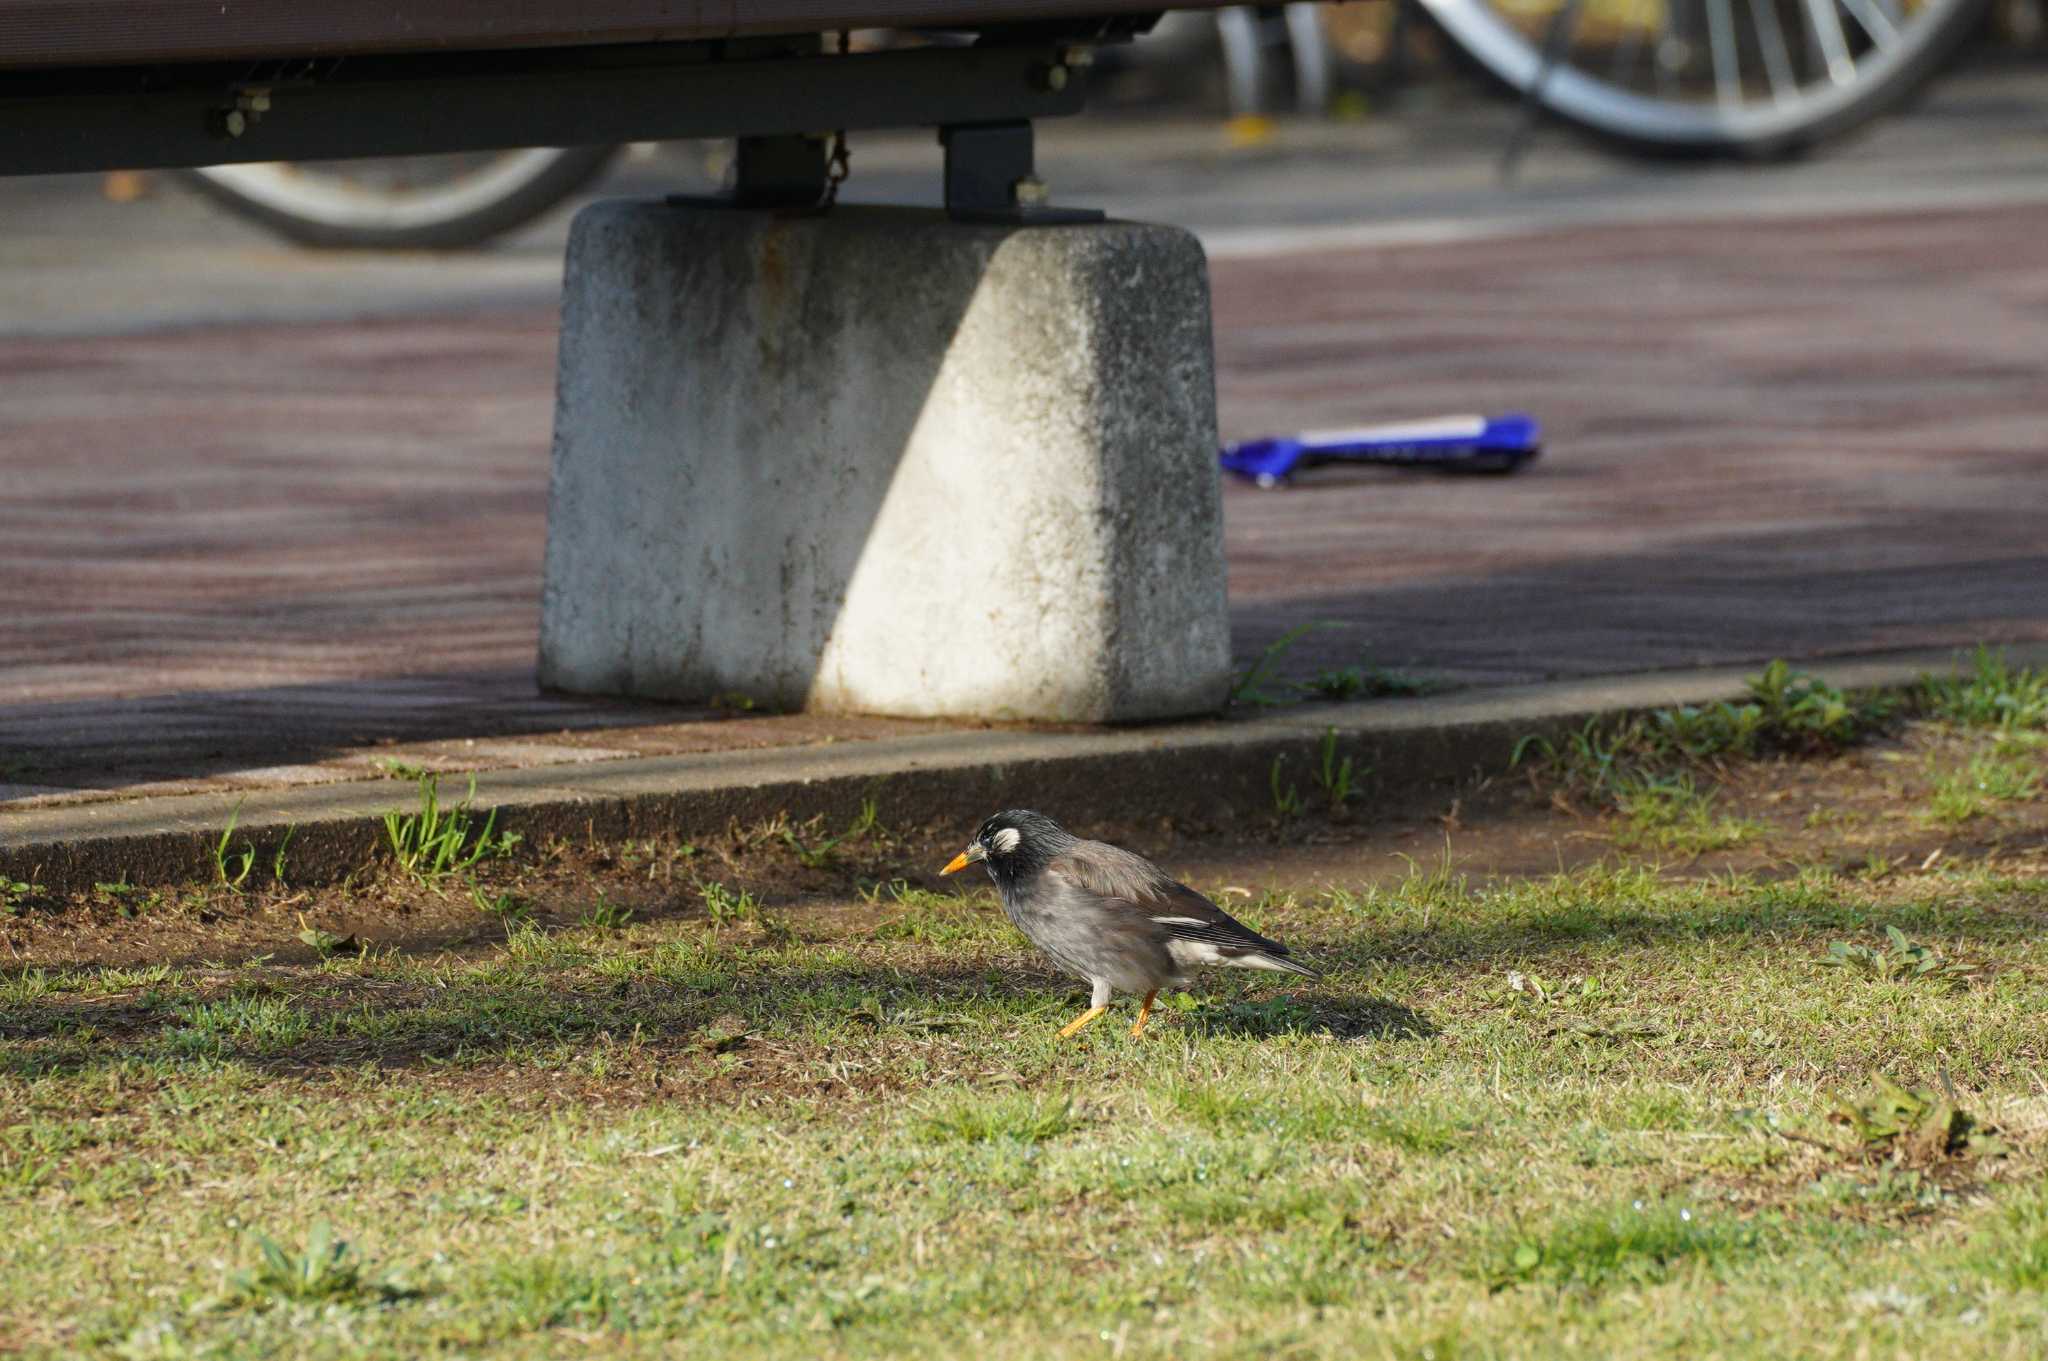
1865, 811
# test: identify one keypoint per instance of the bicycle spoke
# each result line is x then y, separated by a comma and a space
1721, 47
1874, 23
1662, 69
1764, 77
1557, 42
1770, 39
1624, 54
1834, 44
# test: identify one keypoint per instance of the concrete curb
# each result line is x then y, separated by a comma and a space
1214, 772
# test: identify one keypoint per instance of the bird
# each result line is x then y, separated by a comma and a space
1108, 916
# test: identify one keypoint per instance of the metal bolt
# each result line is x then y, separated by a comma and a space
1030, 192
1077, 56
1053, 78
234, 123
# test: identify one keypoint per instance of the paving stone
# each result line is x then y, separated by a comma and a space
228, 548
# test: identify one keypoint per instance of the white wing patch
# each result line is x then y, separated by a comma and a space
1005, 840
1180, 921
1186, 952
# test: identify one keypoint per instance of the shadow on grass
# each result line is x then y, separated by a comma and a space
1324, 1012
292, 1022
1776, 924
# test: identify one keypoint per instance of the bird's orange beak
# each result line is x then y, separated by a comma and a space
964, 859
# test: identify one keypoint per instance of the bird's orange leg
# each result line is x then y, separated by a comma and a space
1083, 1019
1144, 1010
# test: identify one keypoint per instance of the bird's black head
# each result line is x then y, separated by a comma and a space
1013, 843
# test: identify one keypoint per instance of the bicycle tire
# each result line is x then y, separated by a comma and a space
310, 205
1647, 126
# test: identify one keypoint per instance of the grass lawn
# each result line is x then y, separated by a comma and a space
1580, 1085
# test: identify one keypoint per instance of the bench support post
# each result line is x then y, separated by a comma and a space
992, 176
779, 172
881, 461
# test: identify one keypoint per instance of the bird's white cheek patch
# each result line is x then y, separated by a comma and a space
1006, 840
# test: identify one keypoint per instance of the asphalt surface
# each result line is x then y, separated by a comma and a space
268, 517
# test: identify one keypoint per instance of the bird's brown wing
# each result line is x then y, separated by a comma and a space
1132, 887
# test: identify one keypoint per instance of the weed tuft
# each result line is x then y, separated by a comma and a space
1642, 1243
1994, 694
822, 855
1898, 959
1674, 814
16, 895
726, 908
607, 915
1251, 686
230, 867
1365, 682
325, 1271
1912, 1126
1333, 776
1787, 711
1287, 801
507, 907
439, 840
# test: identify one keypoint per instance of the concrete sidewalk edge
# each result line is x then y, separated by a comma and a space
1212, 772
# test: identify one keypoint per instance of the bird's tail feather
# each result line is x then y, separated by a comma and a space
1278, 963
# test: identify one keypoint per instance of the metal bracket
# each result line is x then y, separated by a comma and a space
779, 172
58, 121
772, 174
990, 177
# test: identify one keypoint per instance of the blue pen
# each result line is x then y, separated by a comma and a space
1471, 444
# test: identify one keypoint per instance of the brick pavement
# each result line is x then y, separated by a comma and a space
266, 554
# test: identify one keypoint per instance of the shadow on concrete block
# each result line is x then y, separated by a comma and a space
879, 461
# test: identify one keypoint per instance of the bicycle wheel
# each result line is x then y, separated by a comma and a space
403, 202
1761, 79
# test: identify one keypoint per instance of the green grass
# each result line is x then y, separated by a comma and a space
978, 1119
1993, 693
1364, 682
1642, 1242
1672, 813
1260, 684
939, 919
1985, 780
1786, 712
1610, 1111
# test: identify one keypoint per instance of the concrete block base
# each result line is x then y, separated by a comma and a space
882, 462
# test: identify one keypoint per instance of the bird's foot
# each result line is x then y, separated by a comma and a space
1144, 1010
1073, 1027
